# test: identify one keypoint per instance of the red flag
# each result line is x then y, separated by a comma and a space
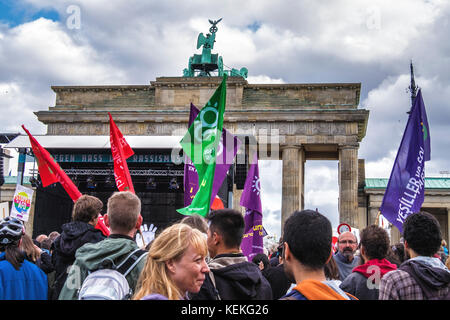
217, 204
121, 151
49, 169
102, 226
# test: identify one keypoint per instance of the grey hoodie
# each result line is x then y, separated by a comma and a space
430, 274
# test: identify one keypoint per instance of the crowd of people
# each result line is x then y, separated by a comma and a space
200, 258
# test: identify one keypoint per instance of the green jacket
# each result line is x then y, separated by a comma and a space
90, 255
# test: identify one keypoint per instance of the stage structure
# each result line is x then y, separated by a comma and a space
156, 169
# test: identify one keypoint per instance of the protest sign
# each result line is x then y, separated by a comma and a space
21, 205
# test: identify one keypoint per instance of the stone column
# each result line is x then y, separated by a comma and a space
348, 184
236, 200
395, 235
292, 183
373, 212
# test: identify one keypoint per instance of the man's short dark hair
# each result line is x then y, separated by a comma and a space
422, 232
375, 241
86, 208
308, 234
229, 224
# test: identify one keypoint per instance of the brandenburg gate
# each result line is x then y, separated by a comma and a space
291, 122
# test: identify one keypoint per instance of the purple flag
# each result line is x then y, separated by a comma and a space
405, 191
190, 173
228, 143
252, 242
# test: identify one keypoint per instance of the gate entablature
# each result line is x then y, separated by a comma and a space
294, 122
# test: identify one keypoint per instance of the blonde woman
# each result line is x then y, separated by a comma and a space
175, 265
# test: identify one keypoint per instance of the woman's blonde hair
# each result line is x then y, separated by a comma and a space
172, 243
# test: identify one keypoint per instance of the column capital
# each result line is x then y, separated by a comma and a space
348, 146
290, 146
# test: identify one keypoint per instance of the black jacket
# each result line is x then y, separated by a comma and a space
236, 279
277, 280
73, 236
45, 263
356, 284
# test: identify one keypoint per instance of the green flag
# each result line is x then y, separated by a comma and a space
200, 144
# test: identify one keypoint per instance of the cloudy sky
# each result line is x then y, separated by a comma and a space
47, 42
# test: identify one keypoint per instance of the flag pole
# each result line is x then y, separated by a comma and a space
142, 236
412, 87
377, 219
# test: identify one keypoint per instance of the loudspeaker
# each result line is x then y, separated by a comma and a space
240, 175
2, 178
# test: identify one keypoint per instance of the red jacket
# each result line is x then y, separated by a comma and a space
383, 265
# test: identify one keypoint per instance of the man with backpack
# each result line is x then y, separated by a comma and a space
423, 277
100, 268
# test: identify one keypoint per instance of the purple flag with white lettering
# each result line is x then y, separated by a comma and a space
228, 143
252, 242
405, 191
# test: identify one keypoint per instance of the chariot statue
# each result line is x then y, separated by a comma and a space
202, 65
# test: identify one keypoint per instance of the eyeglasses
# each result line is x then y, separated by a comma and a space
347, 241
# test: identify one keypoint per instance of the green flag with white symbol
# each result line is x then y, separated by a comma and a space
200, 144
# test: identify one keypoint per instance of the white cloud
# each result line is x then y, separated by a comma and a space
374, 30
42, 48
381, 168
388, 104
271, 222
321, 188
270, 173
16, 105
263, 79
36, 55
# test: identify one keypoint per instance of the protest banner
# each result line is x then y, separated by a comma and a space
21, 205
